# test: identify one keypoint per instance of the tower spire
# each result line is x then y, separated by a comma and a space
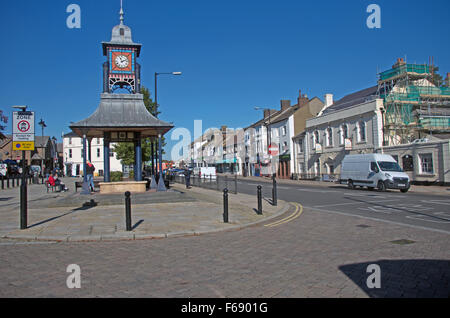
121, 13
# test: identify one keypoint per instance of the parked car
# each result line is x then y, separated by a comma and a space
373, 171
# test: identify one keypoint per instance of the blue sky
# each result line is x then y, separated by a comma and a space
234, 54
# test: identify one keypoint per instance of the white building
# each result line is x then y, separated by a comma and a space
73, 156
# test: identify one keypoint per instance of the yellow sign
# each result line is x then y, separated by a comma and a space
23, 145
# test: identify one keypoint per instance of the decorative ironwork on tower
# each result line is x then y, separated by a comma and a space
121, 69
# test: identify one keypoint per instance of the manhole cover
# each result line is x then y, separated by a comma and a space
403, 242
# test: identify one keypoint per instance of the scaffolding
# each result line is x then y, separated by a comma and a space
414, 106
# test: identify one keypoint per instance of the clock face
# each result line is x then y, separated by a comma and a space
121, 61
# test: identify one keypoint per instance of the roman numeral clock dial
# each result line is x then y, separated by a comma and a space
121, 61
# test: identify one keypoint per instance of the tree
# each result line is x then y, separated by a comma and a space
125, 150
3, 120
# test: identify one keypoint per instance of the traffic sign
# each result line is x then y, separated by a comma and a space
23, 130
273, 150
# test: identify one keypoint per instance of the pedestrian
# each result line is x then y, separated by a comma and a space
90, 175
187, 175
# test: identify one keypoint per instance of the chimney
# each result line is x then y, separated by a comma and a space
400, 61
302, 99
285, 104
266, 113
328, 100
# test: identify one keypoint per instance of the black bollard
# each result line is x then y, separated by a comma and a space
259, 200
23, 207
128, 210
7, 182
225, 205
235, 184
3, 182
217, 182
274, 192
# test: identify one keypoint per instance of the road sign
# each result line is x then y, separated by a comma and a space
273, 150
23, 130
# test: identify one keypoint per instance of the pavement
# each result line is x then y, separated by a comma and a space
70, 216
310, 254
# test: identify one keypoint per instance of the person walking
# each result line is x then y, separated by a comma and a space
187, 175
90, 175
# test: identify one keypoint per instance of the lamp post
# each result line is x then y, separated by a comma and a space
43, 125
23, 186
159, 157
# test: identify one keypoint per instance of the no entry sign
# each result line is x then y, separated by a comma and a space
23, 130
273, 150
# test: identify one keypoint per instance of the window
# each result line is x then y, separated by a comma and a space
98, 152
374, 167
98, 141
70, 142
344, 134
316, 138
285, 145
300, 146
361, 131
426, 163
70, 153
283, 130
389, 166
329, 137
111, 154
408, 163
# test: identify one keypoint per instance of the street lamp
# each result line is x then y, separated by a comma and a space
156, 83
159, 136
43, 125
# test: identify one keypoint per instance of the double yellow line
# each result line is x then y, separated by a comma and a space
298, 211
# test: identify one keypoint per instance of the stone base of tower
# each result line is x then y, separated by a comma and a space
123, 186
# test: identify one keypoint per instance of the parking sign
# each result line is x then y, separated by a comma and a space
23, 130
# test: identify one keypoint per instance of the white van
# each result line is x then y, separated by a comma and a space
373, 171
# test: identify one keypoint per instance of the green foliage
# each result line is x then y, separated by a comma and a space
125, 150
3, 119
116, 176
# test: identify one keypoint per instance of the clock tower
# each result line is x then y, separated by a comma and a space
121, 69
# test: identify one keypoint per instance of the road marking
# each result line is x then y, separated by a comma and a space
445, 202
298, 211
350, 203
320, 191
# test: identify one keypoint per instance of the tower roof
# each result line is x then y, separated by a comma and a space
121, 36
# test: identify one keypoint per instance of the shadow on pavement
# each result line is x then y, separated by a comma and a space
412, 278
86, 206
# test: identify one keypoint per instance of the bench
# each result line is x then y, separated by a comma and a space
49, 186
79, 184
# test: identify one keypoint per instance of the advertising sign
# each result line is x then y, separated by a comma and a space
23, 130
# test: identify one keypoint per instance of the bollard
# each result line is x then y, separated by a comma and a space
226, 182
259, 200
217, 182
23, 206
3, 182
128, 210
7, 182
225, 205
235, 184
274, 192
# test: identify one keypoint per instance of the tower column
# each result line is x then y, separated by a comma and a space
106, 162
138, 157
